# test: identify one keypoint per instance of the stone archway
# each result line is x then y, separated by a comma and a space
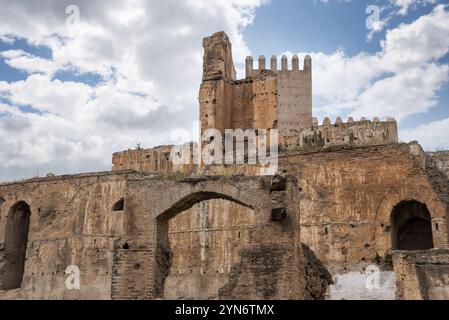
192, 270
142, 257
16, 238
411, 227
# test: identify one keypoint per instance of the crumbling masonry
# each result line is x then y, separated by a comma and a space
351, 213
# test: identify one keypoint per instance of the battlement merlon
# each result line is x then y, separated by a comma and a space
217, 59
251, 72
350, 133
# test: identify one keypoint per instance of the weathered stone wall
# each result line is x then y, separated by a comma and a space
293, 91
349, 194
205, 242
295, 96
267, 98
327, 135
144, 257
129, 253
241, 104
71, 223
351, 133
265, 101
348, 197
217, 58
173, 232
422, 274
441, 159
155, 159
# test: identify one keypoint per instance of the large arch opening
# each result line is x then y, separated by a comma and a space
199, 241
16, 238
411, 226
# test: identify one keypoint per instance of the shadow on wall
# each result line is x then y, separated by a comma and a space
16, 238
201, 244
411, 226
318, 277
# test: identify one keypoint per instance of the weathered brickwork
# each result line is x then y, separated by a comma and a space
351, 133
441, 160
71, 223
265, 99
147, 160
147, 236
422, 274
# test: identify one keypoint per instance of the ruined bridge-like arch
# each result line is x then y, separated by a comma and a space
142, 259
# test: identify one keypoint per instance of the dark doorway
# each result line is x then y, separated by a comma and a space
16, 237
411, 226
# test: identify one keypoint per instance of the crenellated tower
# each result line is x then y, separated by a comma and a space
294, 89
278, 98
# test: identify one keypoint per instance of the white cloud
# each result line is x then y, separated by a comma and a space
434, 135
400, 80
405, 5
149, 54
21, 60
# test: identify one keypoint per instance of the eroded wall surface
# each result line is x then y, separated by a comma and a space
351, 133
422, 274
345, 199
139, 249
267, 98
441, 159
205, 242
146, 262
71, 223
348, 197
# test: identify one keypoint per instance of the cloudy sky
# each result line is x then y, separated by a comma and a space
74, 89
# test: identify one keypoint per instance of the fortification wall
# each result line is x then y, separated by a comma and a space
71, 223
124, 251
155, 159
347, 197
422, 274
350, 133
239, 104
327, 135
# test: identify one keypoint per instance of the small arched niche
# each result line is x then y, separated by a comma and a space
16, 238
411, 226
119, 205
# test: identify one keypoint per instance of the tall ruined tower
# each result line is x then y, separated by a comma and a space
265, 99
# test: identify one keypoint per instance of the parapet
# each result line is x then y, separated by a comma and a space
352, 133
153, 160
145, 160
251, 72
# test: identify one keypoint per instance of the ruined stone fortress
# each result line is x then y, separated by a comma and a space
350, 214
